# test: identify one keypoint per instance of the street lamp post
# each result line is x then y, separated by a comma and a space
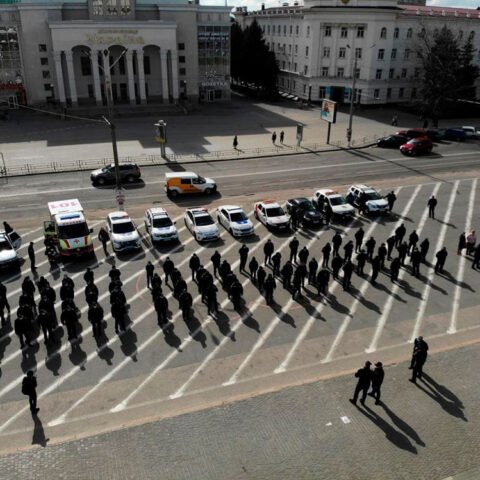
309, 94
352, 99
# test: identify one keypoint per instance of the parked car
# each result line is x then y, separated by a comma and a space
417, 146
412, 133
201, 224
129, 172
363, 194
9, 244
234, 219
328, 198
311, 216
123, 232
456, 134
471, 132
435, 134
160, 226
271, 214
391, 141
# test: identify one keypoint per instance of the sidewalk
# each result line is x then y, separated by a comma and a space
423, 432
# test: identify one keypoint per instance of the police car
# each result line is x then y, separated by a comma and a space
271, 214
9, 243
374, 202
233, 218
159, 226
123, 232
310, 215
201, 224
325, 197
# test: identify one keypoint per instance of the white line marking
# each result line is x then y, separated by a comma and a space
431, 273
461, 266
389, 303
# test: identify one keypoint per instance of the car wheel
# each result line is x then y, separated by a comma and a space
208, 191
173, 193
131, 178
100, 181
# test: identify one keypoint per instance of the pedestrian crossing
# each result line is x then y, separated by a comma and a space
146, 364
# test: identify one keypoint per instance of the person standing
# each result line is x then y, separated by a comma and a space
359, 234
326, 250
328, 211
312, 270
323, 278
390, 246
293, 217
382, 253
394, 120
270, 286
402, 252
168, 268
95, 316
432, 203
261, 276
243, 252
268, 251
412, 242
216, 260
424, 247
361, 261
282, 136
394, 269
391, 198
416, 259
149, 268
235, 142
418, 344
3, 302
297, 284
303, 255
104, 238
253, 267
348, 268
400, 232
364, 376
476, 258
375, 269
336, 242
293, 245
186, 301
287, 272
471, 240
337, 263
29, 387
441, 255
378, 375
274, 137
276, 261
31, 256
348, 249
212, 302
370, 244
462, 243
194, 265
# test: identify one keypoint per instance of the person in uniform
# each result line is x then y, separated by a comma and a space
359, 234
243, 252
364, 376
378, 375
293, 245
441, 256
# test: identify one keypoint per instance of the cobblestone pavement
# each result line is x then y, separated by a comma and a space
424, 432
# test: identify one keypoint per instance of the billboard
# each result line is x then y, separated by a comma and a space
329, 111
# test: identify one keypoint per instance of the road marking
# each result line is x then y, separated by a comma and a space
273, 324
389, 303
353, 308
431, 273
461, 266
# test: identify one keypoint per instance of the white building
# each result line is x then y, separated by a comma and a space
318, 46
149, 51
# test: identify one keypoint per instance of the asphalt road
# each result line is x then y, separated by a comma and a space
87, 387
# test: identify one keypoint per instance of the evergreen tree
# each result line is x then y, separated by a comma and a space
236, 42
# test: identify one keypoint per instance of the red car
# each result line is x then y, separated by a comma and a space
412, 133
417, 146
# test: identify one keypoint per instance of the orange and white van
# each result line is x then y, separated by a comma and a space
177, 183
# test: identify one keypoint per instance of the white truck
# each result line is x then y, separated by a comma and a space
68, 228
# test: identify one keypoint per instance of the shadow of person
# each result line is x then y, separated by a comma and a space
403, 426
77, 356
442, 390
397, 438
223, 323
248, 320
128, 340
38, 437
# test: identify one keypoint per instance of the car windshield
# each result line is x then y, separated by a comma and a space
73, 231
4, 245
306, 204
372, 196
161, 222
123, 227
335, 201
203, 220
106, 169
238, 217
275, 212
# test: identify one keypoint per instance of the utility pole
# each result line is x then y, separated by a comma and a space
352, 99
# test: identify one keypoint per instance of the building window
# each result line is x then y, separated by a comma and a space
182, 71
401, 92
396, 33
416, 73
324, 71
358, 53
268, 29
285, 30
360, 32
308, 30
328, 31
85, 66
343, 32
181, 46
294, 67
48, 87
383, 33
146, 65
342, 52
357, 73
283, 65
406, 54
290, 48
273, 29
296, 30
381, 54
376, 94
42, 47
389, 93
46, 74
306, 51
44, 61
322, 92
304, 88
296, 49
291, 29
305, 70
409, 33
391, 73
378, 74
340, 72
393, 56
181, 59
404, 73
326, 52
414, 93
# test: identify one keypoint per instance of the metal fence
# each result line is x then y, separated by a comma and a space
149, 160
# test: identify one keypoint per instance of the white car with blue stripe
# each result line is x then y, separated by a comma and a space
234, 219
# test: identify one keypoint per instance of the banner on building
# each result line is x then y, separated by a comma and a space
329, 111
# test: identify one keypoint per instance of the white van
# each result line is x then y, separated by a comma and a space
188, 182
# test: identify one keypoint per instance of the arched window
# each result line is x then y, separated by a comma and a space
395, 33
383, 33
409, 33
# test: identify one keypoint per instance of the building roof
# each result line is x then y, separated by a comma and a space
431, 11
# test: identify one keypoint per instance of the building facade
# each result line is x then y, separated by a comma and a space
136, 51
320, 45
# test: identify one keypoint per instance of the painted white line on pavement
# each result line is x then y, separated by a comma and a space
431, 273
265, 172
361, 294
461, 265
161, 366
273, 324
178, 393
387, 307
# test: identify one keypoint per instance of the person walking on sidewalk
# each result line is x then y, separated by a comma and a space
282, 136
104, 238
400, 232
424, 247
253, 267
326, 250
378, 375
29, 387
441, 258
432, 203
274, 137
418, 344
235, 142
364, 376
476, 258
31, 256
391, 198
390, 246
412, 242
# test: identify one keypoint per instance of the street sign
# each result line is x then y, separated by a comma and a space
329, 111
120, 196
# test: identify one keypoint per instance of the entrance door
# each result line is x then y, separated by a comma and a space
114, 92
123, 92
210, 95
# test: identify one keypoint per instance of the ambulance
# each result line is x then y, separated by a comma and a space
188, 182
68, 228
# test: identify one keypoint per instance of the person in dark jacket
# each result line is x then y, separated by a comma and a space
104, 238
29, 387
359, 234
303, 255
337, 263
236, 292
441, 256
348, 249
323, 278
370, 246
297, 284
416, 259
390, 246
418, 344
287, 272
364, 376
194, 265
69, 319
31, 256
462, 243
412, 241
89, 276
276, 261
224, 270
402, 252
424, 246
361, 261
168, 267
95, 317
382, 253
336, 242
375, 269
270, 286
394, 269
186, 302
400, 232
302, 271
312, 270
326, 250
378, 375
46, 325
261, 276
432, 204
114, 273
476, 257
212, 302
268, 251
149, 269
419, 362
161, 307
243, 252
391, 198
253, 267
348, 268
216, 260
293, 245
119, 311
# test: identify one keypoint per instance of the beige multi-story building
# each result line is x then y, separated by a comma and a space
142, 51
321, 44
